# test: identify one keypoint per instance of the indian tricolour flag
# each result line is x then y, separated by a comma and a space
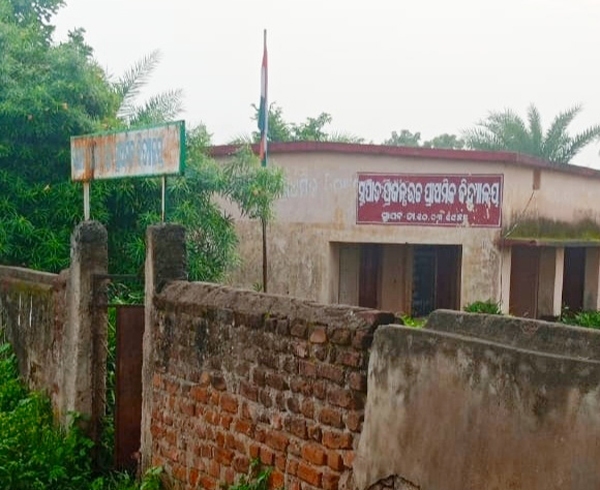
263, 113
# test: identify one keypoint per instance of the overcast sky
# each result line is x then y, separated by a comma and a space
432, 66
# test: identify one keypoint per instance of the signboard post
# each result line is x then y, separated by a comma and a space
147, 152
473, 200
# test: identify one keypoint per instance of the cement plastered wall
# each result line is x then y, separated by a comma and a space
474, 402
58, 329
319, 207
32, 317
236, 375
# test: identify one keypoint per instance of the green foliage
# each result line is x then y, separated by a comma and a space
588, 319
488, 307
312, 129
506, 130
410, 321
407, 138
37, 455
258, 479
52, 92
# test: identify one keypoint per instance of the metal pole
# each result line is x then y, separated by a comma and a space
86, 200
264, 251
164, 196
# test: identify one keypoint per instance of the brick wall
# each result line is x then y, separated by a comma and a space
239, 375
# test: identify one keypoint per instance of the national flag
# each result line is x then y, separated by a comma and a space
263, 112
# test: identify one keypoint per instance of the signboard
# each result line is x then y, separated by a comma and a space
157, 150
430, 199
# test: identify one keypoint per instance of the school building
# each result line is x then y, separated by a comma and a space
411, 230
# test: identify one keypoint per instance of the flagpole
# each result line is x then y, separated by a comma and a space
263, 220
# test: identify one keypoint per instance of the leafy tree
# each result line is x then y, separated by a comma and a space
407, 138
312, 129
506, 130
50, 92
404, 138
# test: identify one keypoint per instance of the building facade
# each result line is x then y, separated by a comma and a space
411, 230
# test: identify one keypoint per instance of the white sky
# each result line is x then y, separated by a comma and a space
432, 66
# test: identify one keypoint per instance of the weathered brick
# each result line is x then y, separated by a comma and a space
224, 456
354, 421
229, 403
320, 389
332, 417
314, 453
298, 427
292, 467
308, 369
225, 420
269, 359
277, 381
330, 481
321, 351
186, 408
179, 473
331, 372
358, 381
254, 450
348, 457
207, 483
283, 327
258, 376
292, 404
249, 391
244, 427
337, 440
290, 365
335, 460
300, 349
280, 462
194, 476
229, 476
277, 440
314, 432
300, 385
266, 456
307, 407
264, 397
309, 474
345, 398
349, 358
200, 394
242, 463
277, 479
298, 328
341, 336
318, 336
218, 382
214, 469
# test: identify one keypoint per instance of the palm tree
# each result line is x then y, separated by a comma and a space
158, 108
506, 130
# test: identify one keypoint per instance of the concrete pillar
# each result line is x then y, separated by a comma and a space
505, 267
349, 267
84, 354
393, 282
166, 260
552, 262
591, 287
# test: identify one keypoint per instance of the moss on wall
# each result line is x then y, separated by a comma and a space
543, 228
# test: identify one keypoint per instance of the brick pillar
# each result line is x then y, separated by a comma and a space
166, 260
84, 348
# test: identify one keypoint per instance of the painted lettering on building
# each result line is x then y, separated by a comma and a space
430, 199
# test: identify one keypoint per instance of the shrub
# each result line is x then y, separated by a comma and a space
488, 307
588, 319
